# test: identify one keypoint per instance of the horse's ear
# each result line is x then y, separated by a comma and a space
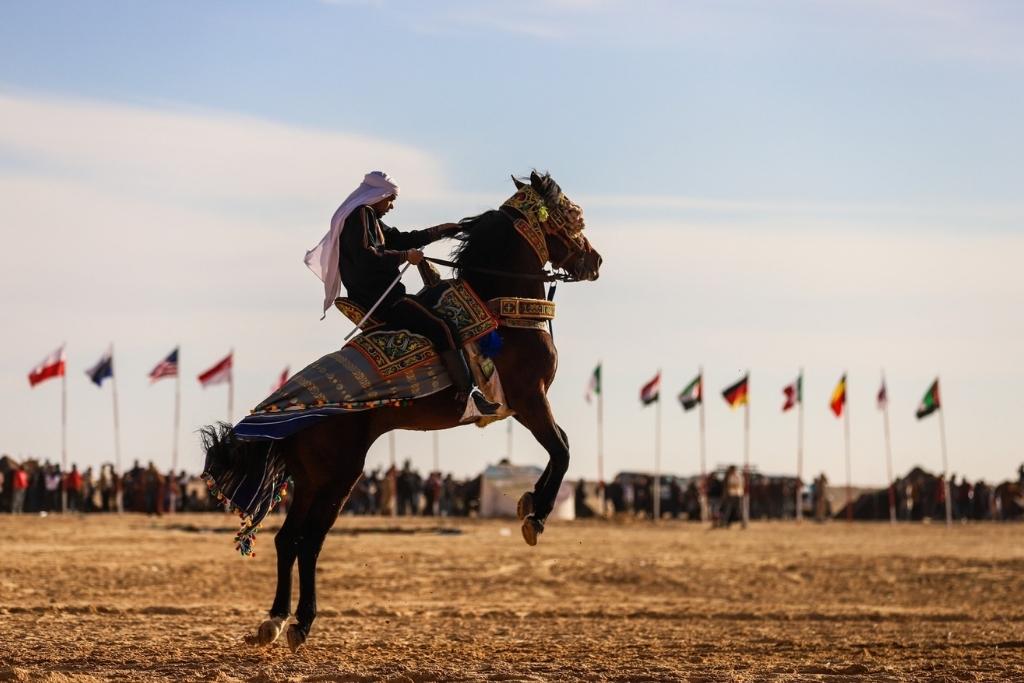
545, 186
537, 182
519, 183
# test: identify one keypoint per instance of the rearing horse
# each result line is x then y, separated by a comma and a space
502, 255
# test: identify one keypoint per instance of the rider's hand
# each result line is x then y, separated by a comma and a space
414, 256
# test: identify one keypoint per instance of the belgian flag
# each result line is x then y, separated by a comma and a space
930, 403
736, 395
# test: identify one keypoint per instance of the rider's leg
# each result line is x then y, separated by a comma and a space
414, 316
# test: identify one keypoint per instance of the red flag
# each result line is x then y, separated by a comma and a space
649, 392
280, 380
51, 366
794, 393
219, 373
883, 397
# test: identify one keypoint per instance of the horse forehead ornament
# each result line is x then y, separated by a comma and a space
565, 218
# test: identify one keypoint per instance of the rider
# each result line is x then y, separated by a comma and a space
365, 254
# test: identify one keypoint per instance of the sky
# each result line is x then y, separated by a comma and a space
832, 186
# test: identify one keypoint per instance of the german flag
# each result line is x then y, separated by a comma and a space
839, 397
736, 395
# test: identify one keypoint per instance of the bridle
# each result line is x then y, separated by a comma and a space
576, 249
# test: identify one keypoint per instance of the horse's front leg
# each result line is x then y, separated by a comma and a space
534, 507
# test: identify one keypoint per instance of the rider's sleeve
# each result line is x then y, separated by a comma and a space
413, 239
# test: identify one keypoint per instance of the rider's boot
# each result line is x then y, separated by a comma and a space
455, 363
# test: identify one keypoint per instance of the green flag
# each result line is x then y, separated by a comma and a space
930, 403
693, 394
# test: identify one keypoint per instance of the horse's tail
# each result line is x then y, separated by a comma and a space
249, 476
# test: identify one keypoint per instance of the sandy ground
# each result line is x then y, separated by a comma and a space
133, 598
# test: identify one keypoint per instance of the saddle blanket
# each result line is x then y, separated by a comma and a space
378, 368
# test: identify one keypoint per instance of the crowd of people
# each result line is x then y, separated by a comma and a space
35, 487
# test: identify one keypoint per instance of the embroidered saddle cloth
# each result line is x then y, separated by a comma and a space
379, 367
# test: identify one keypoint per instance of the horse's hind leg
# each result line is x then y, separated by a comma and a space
286, 543
319, 521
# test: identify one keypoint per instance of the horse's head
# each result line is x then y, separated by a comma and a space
543, 201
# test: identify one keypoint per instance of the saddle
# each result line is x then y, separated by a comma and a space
390, 367
392, 351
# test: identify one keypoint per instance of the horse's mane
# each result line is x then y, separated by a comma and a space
483, 237
490, 232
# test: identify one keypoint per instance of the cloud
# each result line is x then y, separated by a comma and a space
210, 156
932, 29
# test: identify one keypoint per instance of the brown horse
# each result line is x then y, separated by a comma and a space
326, 459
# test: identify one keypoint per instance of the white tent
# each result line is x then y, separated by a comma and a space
502, 485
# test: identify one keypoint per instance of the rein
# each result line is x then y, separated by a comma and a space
543, 276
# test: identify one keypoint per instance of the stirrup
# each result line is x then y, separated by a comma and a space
482, 404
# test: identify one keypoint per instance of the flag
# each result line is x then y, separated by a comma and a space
838, 397
594, 387
649, 392
794, 393
693, 394
280, 380
103, 369
219, 373
930, 403
51, 366
736, 395
168, 367
883, 397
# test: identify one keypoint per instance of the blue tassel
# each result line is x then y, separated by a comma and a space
490, 344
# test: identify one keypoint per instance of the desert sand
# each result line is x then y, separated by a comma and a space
136, 598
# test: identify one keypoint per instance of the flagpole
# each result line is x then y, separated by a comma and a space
231, 388
945, 465
888, 456
846, 440
657, 453
703, 491
746, 457
117, 424
177, 417
437, 458
63, 438
800, 446
393, 474
600, 440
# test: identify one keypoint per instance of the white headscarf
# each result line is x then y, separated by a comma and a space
323, 258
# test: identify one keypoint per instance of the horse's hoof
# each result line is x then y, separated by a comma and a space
268, 632
532, 528
295, 637
524, 508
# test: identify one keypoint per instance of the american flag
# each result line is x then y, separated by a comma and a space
168, 367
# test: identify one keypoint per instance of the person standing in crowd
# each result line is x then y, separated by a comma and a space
73, 486
432, 495
106, 488
732, 502
53, 483
821, 498
19, 485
